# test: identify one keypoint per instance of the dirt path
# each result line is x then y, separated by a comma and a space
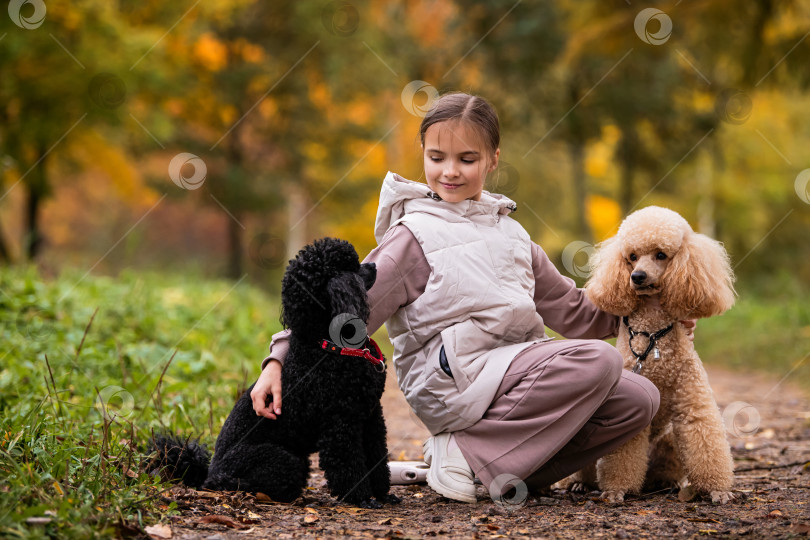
770, 441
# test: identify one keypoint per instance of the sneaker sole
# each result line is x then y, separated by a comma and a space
444, 491
441, 489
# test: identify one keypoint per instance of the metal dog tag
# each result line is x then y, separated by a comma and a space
637, 367
657, 354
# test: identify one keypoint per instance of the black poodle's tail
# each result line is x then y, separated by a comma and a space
180, 459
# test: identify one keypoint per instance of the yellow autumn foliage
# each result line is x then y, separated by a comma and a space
604, 216
210, 52
599, 156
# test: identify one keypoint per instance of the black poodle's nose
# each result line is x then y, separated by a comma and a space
638, 277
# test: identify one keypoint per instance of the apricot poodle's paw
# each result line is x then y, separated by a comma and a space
722, 497
612, 496
579, 487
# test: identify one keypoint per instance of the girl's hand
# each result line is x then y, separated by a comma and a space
690, 325
268, 386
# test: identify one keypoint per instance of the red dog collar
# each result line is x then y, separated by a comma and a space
378, 360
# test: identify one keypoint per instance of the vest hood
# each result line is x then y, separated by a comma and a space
400, 195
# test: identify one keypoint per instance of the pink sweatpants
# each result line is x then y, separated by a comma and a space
561, 405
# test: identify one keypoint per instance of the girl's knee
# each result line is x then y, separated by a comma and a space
642, 397
599, 364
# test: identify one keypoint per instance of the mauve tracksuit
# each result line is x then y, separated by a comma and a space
560, 404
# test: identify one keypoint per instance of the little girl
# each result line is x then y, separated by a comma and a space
466, 295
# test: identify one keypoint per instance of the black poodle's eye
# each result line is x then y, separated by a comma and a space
661, 256
633, 257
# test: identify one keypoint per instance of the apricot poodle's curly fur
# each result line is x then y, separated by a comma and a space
331, 402
657, 271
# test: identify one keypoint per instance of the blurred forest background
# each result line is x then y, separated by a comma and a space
296, 110
160, 162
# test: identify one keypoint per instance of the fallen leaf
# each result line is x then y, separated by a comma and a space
386, 521
223, 520
159, 531
775, 514
261, 497
254, 515
306, 520
707, 531
687, 494
801, 528
353, 510
38, 520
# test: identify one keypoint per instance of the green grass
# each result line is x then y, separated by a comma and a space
173, 351
766, 330
60, 456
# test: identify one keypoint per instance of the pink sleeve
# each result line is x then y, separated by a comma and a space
565, 308
402, 275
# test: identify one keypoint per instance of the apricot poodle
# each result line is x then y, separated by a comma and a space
655, 272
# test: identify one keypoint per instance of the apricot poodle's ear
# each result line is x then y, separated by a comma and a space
698, 281
609, 286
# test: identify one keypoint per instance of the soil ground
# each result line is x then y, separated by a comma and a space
771, 449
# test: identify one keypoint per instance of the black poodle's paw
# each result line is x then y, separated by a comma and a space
370, 504
389, 499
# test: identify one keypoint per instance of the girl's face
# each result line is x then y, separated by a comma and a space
456, 163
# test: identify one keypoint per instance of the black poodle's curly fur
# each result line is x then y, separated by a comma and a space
331, 404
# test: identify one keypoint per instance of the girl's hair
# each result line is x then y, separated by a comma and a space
473, 109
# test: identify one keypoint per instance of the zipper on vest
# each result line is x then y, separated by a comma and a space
434, 196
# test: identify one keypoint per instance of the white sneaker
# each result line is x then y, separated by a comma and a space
449, 474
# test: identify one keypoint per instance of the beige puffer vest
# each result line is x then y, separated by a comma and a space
478, 302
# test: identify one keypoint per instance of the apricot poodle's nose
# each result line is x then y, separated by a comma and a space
638, 277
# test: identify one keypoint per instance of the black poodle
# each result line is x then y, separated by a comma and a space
332, 380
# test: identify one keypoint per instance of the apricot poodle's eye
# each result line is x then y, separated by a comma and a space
661, 256
633, 257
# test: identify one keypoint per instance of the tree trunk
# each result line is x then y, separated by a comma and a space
235, 249
756, 39
5, 254
37, 190
705, 209
297, 208
627, 158
577, 153
236, 160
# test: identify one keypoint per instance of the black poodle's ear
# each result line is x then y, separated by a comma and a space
368, 272
346, 295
